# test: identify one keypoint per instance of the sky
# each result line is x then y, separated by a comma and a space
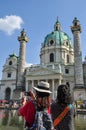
37, 17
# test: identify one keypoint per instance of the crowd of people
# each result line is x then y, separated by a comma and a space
40, 113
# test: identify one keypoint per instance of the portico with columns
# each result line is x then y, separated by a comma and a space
53, 80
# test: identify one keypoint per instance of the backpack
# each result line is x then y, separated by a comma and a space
42, 121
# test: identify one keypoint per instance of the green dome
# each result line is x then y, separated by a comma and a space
13, 55
58, 37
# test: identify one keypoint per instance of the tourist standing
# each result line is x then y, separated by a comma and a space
62, 110
35, 111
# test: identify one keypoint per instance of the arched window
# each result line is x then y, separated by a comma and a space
67, 58
10, 62
75, 24
51, 42
67, 83
51, 57
67, 43
7, 93
57, 28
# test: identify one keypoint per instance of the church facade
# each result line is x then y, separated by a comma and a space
60, 63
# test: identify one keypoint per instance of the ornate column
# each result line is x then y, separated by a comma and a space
76, 30
79, 89
21, 61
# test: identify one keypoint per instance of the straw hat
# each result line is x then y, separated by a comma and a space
43, 87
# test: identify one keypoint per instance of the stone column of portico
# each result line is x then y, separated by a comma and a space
27, 86
32, 84
53, 89
60, 71
59, 81
11, 96
38, 81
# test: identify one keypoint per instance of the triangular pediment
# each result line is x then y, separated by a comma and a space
41, 71
9, 69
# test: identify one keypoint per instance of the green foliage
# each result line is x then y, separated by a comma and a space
9, 128
21, 124
5, 118
14, 121
80, 124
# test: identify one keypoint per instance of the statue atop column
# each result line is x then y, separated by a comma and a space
23, 36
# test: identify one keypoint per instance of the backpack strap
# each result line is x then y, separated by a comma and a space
62, 115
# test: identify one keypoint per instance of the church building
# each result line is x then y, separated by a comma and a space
60, 63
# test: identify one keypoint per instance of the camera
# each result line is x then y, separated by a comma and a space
28, 93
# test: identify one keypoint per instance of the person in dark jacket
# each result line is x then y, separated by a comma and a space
63, 100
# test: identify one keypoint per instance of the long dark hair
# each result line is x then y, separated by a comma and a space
42, 100
63, 94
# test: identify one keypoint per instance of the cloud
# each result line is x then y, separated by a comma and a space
10, 23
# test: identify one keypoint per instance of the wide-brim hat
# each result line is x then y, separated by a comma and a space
43, 87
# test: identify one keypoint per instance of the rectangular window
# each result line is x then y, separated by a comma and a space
67, 71
9, 75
